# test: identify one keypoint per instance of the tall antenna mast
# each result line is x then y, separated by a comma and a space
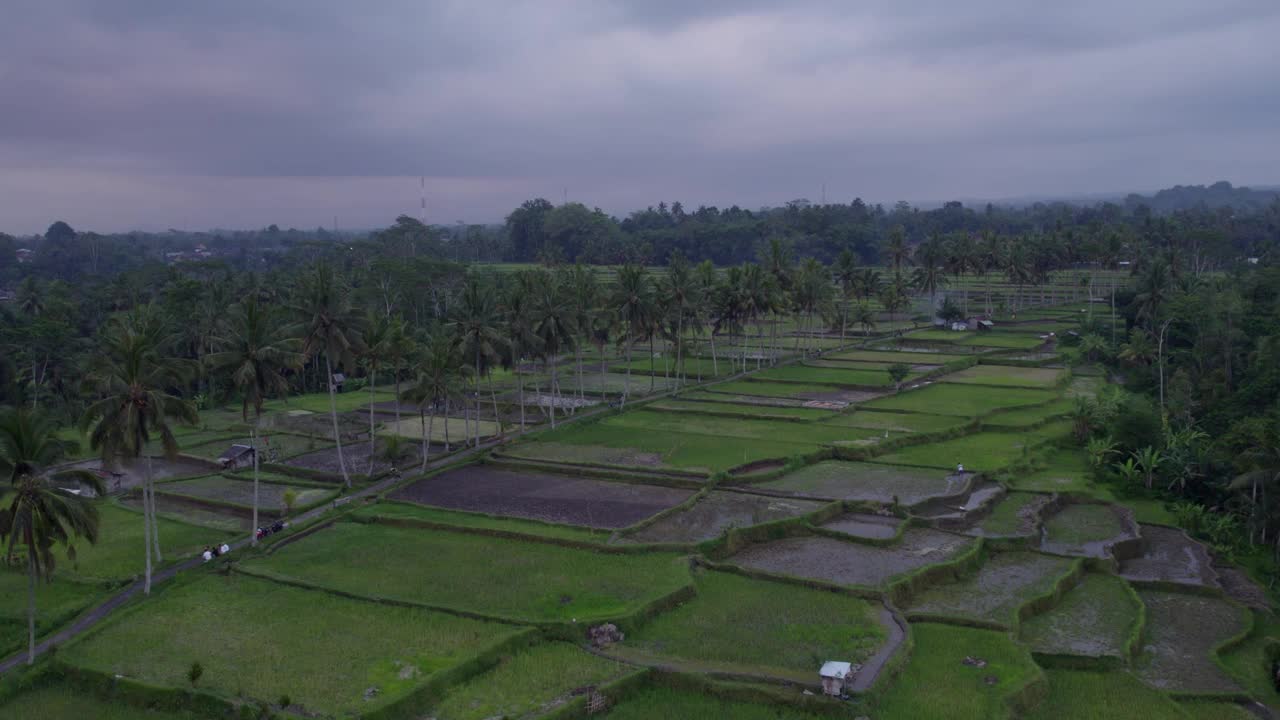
422, 184
824, 193
566, 195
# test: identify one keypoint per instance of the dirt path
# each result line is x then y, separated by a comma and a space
866, 677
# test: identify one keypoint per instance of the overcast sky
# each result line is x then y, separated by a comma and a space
127, 114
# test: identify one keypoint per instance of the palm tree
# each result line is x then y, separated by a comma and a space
554, 324
1154, 286
1149, 460
864, 316
633, 302
40, 514
706, 286
440, 380
897, 249
257, 352
398, 346
759, 296
929, 275
518, 329
327, 325
377, 335
132, 379
476, 328
962, 258
680, 289
867, 284
584, 295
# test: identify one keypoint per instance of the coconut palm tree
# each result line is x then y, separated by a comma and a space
680, 288
398, 346
439, 382
930, 273
40, 515
554, 323
377, 334
328, 325
522, 341
257, 352
634, 304
706, 286
961, 258
132, 380
476, 326
897, 249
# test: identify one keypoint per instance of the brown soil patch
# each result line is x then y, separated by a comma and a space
851, 563
543, 496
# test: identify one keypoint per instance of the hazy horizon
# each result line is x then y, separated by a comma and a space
238, 115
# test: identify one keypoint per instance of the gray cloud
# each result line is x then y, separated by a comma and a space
154, 114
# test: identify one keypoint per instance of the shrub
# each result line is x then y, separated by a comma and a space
194, 673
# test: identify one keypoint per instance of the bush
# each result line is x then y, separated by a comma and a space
194, 674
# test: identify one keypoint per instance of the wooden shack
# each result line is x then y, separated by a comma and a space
834, 675
236, 457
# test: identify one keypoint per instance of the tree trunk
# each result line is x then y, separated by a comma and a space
254, 527
630, 346
333, 413
426, 434
155, 523
494, 397
372, 379
715, 369
555, 381
651, 370
446, 425
397, 378
577, 351
520, 392
146, 531
31, 603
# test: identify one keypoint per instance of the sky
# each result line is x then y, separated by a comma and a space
151, 114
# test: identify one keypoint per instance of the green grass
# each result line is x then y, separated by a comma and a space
1030, 416
1215, 711
602, 443
120, 554
526, 683
889, 356
1003, 583
319, 402
1006, 376
236, 491
828, 376
1007, 516
737, 623
63, 702
407, 511
1001, 340
770, 389
739, 409
956, 399
936, 683
1092, 619
985, 451
840, 479
937, 336
1247, 663
667, 365
670, 704
56, 603
900, 422
507, 578
1116, 695
801, 433
1079, 524
265, 640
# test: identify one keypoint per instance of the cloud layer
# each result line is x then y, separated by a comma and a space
147, 114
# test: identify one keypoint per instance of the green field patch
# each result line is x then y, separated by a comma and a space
234, 491
937, 336
527, 683
1001, 340
962, 400
761, 429
671, 704
1017, 513
937, 683
1003, 583
890, 356
839, 377
772, 389
1027, 417
119, 552
494, 576
1081, 529
719, 511
455, 428
752, 400
844, 480
898, 422
612, 444
1093, 619
732, 409
319, 402
1005, 375
667, 365
263, 640
412, 512
837, 363
849, 563
736, 623
984, 451
1181, 632
1249, 663
1198, 710
56, 603
1114, 695
63, 702
207, 444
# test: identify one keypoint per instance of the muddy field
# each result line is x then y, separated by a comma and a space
1086, 530
1180, 635
842, 480
1003, 583
845, 397
189, 512
851, 563
866, 525
543, 496
240, 492
131, 475
357, 460
719, 511
1171, 556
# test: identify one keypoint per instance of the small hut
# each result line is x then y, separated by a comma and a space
236, 457
834, 675
337, 380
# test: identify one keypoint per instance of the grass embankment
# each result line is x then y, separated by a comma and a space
739, 623
962, 400
407, 511
494, 576
262, 640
